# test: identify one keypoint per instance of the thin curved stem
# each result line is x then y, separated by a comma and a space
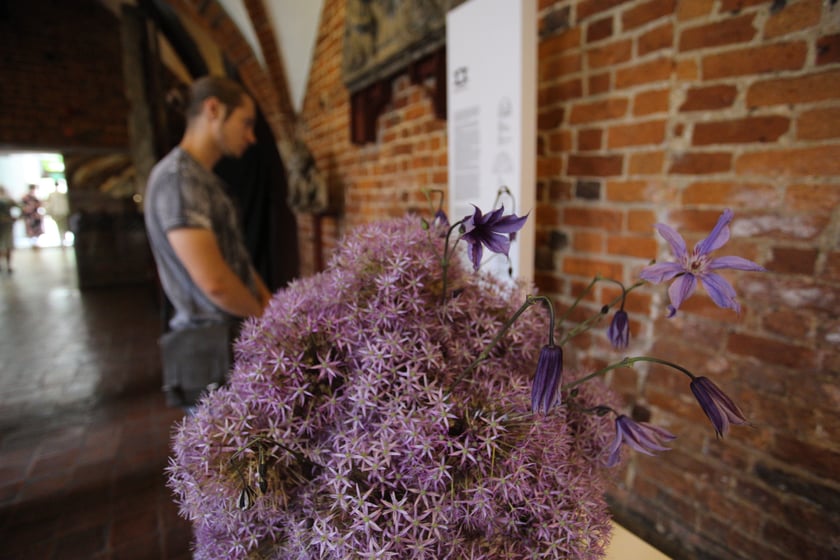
444, 261
587, 324
628, 362
529, 301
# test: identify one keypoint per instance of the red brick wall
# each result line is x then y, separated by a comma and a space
658, 110
61, 84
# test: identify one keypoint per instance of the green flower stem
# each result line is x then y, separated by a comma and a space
444, 261
587, 324
428, 193
628, 362
529, 301
579, 298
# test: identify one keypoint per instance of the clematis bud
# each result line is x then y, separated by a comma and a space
720, 409
619, 331
547, 378
640, 436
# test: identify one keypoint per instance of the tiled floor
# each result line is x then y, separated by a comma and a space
84, 431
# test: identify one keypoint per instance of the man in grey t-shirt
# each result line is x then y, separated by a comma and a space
191, 223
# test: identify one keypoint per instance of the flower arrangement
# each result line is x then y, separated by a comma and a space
380, 409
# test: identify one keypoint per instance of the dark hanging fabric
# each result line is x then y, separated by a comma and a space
257, 184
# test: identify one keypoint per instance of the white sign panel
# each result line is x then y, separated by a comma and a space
491, 61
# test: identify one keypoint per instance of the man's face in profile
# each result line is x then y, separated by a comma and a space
235, 132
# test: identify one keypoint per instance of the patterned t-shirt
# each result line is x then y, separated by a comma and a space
181, 193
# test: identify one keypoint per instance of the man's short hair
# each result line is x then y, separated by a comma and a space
230, 93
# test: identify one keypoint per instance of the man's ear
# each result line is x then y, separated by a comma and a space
214, 108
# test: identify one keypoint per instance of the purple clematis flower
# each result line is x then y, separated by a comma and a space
547, 378
492, 231
619, 331
698, 265
641, 436
720, 409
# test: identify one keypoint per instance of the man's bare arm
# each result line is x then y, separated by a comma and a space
198, 251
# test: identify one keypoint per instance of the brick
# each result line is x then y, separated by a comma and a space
812, 198
687, 70
693, 221
828, 49
599, 83
559, 93
597, 166
788, 91
725, 193
588, 8
709, 98
559, 66
609, 109
793, 260
730, 31
818, 124
598, 30
788, 323
546, 167
589, 242
651, 101
559, 44
819, 160
818, 460
781, 226
738, 5
591, 217
646, 163
638, 134
659, 38
588, 190
832, 266
645, 73
740, 131
610, 54
700, 163
590, 268
641, 221
695, 9
560, 141
795, 542
590, 139
788, 481
764, 59
642, 247
771, 351
794, 17
550, 118
553, 21
547, 214
645, 13
629, 191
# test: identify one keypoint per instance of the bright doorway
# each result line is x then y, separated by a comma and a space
19, 170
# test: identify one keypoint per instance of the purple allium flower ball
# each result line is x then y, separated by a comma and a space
338, 434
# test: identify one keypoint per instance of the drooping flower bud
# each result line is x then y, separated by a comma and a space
547, 378
619, 331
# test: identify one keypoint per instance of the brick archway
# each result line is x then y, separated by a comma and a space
268, 87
